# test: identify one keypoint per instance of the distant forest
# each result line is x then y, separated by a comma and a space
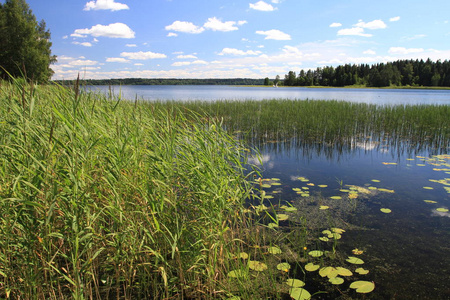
399, 73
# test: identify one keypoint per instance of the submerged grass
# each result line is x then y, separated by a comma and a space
108, 199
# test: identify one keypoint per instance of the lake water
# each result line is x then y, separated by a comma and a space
212, 93
407, 250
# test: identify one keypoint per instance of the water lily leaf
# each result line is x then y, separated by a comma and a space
305, 188
386, 190
274, 250
310, 267
355, 260
237, 274
266, 186
356, 251
310, 184
326, 231
372, 188
268, 197
363, 286
336, 280
257, 265
282, 217
324, 207
276, 183
316, 253
322, 185
296, 189
362, 271
288, 208
284, 267
272, 225
344, 271
304, 195
329, 272
243, 255
442, 209
428, 188
299, 294
275, 179
344, 190
337, 230
324, 239
430, 201
375, 180
386, 210
335, 235
335, 197
295, 283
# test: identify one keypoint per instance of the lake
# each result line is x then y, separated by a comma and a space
211, 93
406, 248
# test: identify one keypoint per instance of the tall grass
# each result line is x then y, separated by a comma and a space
312, 123
108, 199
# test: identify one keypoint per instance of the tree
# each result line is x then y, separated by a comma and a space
25, 43
266, 81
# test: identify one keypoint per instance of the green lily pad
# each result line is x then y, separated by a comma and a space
310, 267
272, 225
429, 201
284, 267
441, 209
323, 207
329, 272
375, 180
257, 265
282, 217
288, 208
344, 271
322, 185
324, 239
338, 230
386, 210
355, 260
237, 274
295, 283
243, 255
316, 253
428, 188
336, 280
336, 197
266, 186
326, 231
299, 294
363, 286
274, 250
362, 271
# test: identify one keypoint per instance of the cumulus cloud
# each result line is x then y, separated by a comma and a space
217, 25
402, 50
130, 45
117, 59
85, 44
142, 55
186, 27
115, 30
83, 62
233, 51
105, 5
375, 24
187, 63
394, 19
262, 6
369, 52
275, 34
189, 56
172, 34
335, 25
354, 31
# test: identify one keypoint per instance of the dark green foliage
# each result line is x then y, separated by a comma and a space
398, 73
25, 43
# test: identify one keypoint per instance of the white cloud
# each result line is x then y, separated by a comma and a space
186, 27
375, 24
262, 6
80, 62
369, 52
414, 37
233, 51
105, 5
138, 64
394, 19
115, 30
335, 25
130, 45
187, 63
354, 31
217, 25
240, 23
186, 56
275, 34
402, 50
117, 59
85, 44
172, 34
142, 55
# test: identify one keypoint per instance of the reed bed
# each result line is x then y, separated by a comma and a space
108, 199
340, 124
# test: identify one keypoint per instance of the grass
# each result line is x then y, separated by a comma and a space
109, 199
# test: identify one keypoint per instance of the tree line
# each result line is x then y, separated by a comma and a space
166, 81
398, 73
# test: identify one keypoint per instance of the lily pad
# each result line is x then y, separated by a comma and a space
243, 255
326, 231
329, 272
363, 286
386, 210
322, 185
284, 267
336, 280
356, 251
288, 208
295, 283
428, 188
324, 207
344, 271
237, 274
282, 217
430, 201
338, 230
310, 267
316, 253
355, 260
299, 294
257, 265
442, 209
272, 225
375, 180
362, 271
324, 239
335, 197
274, 250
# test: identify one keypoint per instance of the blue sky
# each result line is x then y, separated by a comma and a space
245, 38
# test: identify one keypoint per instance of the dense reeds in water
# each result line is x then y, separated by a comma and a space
104, 199
333, 125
